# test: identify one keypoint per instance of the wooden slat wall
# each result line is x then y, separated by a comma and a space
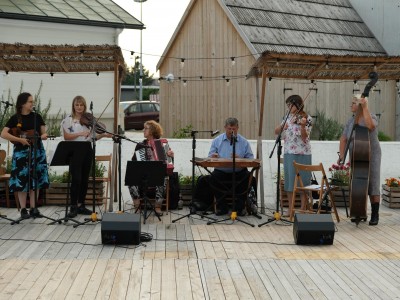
207, 32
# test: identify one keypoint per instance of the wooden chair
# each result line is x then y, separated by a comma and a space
324, 189
105, 159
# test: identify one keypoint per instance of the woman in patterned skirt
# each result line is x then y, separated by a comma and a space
20, 130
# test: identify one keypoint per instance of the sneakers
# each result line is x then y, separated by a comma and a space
73, 212
82, 210
24, 214
34, 212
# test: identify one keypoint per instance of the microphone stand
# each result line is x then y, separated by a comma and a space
277, 214
233, 216
192, 209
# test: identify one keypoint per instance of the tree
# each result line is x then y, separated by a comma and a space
133, 76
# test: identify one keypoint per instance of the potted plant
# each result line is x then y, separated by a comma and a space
185, 186
340, 177
391, 192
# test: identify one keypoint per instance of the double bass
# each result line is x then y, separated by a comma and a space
360, 156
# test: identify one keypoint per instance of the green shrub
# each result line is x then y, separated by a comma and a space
183, 133
383, 137
327, 129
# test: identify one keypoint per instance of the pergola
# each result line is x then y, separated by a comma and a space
65, 59
313, 67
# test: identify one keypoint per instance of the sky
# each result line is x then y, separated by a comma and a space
160, 17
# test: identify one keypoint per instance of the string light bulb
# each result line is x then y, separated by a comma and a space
184, 82
132, 53
82, 51
182, 62
277, 62
7, 73
233, 62
327, 65
97, 73
228, 82
52, 75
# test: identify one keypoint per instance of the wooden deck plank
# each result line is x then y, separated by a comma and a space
47, 288
183, 280
168, 280
95, 279
81, 280
197, 279
228, 284
146, 284
107, 281
156, 277
212, 279
135, 280
120, 287
171, 245
68, 279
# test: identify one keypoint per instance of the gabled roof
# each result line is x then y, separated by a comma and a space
104, 13
302, 28
310, 27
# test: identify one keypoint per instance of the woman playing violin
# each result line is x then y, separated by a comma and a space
363, 117
296, 135
19, 130
75, 129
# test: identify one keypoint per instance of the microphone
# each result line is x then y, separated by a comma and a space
91, 105
214, 133
233, 137
6, 103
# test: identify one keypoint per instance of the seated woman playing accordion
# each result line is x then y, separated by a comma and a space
152, 132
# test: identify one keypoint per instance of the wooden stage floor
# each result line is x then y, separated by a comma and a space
192, 260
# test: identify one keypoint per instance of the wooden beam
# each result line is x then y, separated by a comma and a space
61, 62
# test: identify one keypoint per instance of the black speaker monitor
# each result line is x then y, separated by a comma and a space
120, 229
313, 229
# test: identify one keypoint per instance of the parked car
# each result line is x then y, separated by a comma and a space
139, 112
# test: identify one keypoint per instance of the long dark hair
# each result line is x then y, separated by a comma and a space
21, 100
299, 103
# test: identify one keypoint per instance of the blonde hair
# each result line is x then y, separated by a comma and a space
155, 129
78, 99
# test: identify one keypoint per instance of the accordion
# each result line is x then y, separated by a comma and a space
161, 150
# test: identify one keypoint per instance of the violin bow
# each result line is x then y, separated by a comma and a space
304, 100
105, 108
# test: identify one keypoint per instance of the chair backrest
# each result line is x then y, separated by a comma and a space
105, 158
310, 168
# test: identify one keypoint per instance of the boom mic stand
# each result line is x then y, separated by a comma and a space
192, 209
277, 214
233, 216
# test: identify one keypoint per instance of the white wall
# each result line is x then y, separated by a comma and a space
324, 152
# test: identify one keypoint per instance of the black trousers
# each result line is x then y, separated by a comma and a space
80, 169
221, 184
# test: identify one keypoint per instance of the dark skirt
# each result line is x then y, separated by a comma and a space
22, 179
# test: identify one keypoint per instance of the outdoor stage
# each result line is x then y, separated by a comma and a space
192, 260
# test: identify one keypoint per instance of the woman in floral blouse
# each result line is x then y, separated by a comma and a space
296, 137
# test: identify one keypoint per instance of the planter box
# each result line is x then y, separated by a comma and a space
338, 194
56, 194
391, 196
186, 193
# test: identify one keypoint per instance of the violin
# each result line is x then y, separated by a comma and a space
27, 134
87, 120
359, 179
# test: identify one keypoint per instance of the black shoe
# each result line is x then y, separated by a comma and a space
34, 212
82, 210
221, 212
24, 214
73, 212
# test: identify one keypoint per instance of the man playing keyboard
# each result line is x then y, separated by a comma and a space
222, 147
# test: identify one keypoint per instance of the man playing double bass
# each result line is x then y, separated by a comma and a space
363, 117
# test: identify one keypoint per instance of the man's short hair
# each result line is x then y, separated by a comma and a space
231, 122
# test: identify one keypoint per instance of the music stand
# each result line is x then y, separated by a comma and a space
68, 153
145, 174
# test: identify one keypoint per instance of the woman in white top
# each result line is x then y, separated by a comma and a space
74, 130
